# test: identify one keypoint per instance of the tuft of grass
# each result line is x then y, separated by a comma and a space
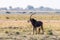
6, 32
50, 32
7, 17
17, 33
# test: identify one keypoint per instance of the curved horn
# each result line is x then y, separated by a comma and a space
31, 15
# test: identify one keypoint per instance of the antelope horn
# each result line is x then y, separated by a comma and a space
31, 15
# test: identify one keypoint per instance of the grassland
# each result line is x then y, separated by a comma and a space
26, 16
16, 27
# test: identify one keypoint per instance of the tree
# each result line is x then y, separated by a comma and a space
29, 7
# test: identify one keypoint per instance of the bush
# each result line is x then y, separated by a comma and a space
10, 27
17, 33
50, 32
8, 12
7, 17
6, 32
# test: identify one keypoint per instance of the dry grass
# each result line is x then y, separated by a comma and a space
16, 26
52, 20
26, 16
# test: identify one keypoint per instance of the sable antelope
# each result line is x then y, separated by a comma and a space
36, 24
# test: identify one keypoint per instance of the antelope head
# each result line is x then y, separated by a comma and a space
31, 17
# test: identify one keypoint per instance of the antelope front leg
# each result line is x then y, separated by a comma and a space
33, 30
38, 30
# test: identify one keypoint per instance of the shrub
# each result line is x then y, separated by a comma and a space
50, 32
10, 27
7, 17
17, 33
8, 12
6, 32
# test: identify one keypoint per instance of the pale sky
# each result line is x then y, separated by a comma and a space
36, 3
